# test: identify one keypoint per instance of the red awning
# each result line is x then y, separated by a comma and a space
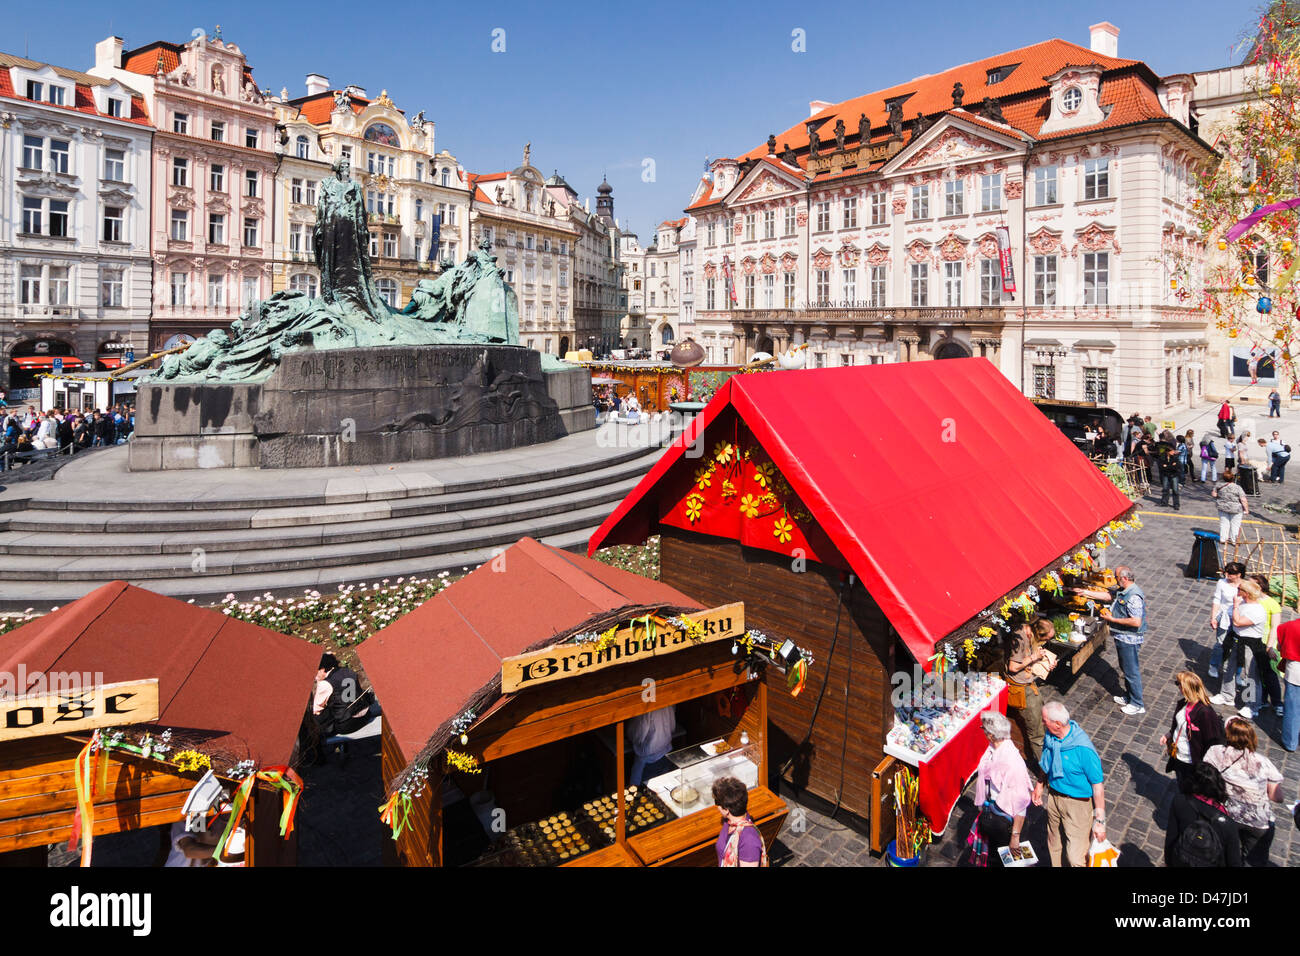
110, 361
47, 361
938, 482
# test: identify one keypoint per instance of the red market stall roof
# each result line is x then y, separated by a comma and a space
246, 686
47, 361
937, 483
428, 666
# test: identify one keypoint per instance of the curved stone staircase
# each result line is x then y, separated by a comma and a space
203, 535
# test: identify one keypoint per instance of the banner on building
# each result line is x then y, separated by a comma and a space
435, 236
1004, 260
726, 273
1255, 366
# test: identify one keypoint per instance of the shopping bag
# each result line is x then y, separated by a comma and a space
1102, 853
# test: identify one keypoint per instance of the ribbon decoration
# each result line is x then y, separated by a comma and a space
396, 812
1245, 225
83, 776
282, 778
939, 663
797, 677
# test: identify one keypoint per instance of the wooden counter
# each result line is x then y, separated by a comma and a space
614, 855
692, 840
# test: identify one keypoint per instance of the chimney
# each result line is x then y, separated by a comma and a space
356, 91
816, 106
317, 84
108, 54
1105, 39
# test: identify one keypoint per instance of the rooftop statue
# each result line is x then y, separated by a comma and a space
465, 305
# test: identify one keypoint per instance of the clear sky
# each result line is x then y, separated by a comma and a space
605, 86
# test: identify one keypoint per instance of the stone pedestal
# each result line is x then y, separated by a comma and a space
362, 407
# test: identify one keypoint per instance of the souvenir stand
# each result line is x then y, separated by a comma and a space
509, 700
113, 707
869, 514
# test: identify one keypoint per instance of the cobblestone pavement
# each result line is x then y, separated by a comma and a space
1138, 791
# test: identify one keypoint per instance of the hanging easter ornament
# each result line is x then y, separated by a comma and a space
1264, 306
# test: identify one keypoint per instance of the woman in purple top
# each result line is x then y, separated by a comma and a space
739, 843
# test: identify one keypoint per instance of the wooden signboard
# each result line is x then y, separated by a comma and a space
68, 712
631, 643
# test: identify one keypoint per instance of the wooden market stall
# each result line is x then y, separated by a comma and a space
508, 702
870, 514
123, 659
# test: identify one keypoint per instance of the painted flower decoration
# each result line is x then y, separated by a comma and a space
694, 506
782, 530
723, 452
749, 506
728, 489
703, 475
763, 474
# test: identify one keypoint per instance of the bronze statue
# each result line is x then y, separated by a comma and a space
992, 110
839, 135
813, 140
340, 236
864, 130
896, 120
958, 94
771, 144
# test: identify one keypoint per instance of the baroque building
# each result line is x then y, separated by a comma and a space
416, 196
663, 285
211, 184
870, 230
75, 273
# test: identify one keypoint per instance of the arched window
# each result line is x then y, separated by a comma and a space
667, 338
419, 210
303, 147
305, 283
388, 289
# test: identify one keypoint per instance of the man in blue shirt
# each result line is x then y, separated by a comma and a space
1127, 617
1072, 782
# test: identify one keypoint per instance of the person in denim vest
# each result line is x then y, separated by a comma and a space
1127, 617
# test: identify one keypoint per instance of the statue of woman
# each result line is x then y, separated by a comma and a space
343, 246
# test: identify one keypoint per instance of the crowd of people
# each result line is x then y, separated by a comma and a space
1222, 812
28, 430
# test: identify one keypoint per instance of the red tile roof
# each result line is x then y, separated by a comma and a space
316, 109
246, 686
473, 180
144, 60
83, 99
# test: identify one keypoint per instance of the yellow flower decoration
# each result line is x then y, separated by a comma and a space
192, 760
465, 763
782, 530
606, 638
728, 489
702, 476
749, 506
1005, 610
693, 507
723, 451
987, 632
763, 474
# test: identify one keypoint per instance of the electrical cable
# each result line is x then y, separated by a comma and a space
844, 746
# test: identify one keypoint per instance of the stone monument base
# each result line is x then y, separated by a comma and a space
363, 407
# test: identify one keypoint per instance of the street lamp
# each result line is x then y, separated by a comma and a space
1050, 355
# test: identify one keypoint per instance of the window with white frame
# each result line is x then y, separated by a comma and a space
709, 238
879, 283
33, 209
34, 153
1044, 280
769, 223
824, 216
879, 209
749, 293
769, 291
991, 192
990, 282
390, 245
374, 245
29, 285
303, 147
1044, 381
952, 275
920, 285
58, 209
1096, 385
58, 285
849, 285
249, 291
295, 190
791, 220
446, 176
217, 178
180, 171
710, 292
1096, 278
1096, 179
218, 131
850, 212
305, 283
113, 219
181, 123
35, 90
216, 291
920, 202
823, 287
56, 95
1045, 186
749, 226
217, 228
788, 288
115, 165
110, 288
250, 232
59, 155
180, 289
388, 291
954, 197
250, 183
311, 192
252, 137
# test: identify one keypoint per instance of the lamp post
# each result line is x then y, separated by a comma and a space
1050, 355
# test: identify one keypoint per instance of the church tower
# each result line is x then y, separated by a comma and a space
605, 202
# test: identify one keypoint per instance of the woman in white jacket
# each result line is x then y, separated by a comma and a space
45, 433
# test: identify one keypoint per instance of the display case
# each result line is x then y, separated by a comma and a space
689, 787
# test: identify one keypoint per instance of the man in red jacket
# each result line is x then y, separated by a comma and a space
1227, 420
1288, 643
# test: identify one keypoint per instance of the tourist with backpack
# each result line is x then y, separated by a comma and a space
1253, 785
1201, 834
1195, 728
1209, 458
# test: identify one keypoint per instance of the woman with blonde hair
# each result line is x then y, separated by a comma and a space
1195, 728
1253, 784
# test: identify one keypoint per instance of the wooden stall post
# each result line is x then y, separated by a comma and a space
620, 828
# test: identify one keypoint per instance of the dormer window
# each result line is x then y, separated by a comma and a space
1000, 73
114, 107
1072, 99
56, 95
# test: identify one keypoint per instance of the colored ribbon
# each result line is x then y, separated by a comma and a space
281, 778
939, 663
1245, 225
396, 812
798, 677
83, 819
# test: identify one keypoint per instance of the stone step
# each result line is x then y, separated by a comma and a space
18, 528
143, 567
211, 588
48, 543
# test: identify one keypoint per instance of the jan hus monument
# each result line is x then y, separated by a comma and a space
343, 379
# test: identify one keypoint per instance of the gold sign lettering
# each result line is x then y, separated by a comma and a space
72, 711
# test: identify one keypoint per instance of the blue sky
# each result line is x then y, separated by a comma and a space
604, 86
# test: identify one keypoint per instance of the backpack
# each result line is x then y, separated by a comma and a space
1199, 844
1213, 452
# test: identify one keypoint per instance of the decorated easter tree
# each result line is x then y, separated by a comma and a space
1249, 203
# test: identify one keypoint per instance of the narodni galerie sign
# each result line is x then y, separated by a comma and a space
633, 642
68, 712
